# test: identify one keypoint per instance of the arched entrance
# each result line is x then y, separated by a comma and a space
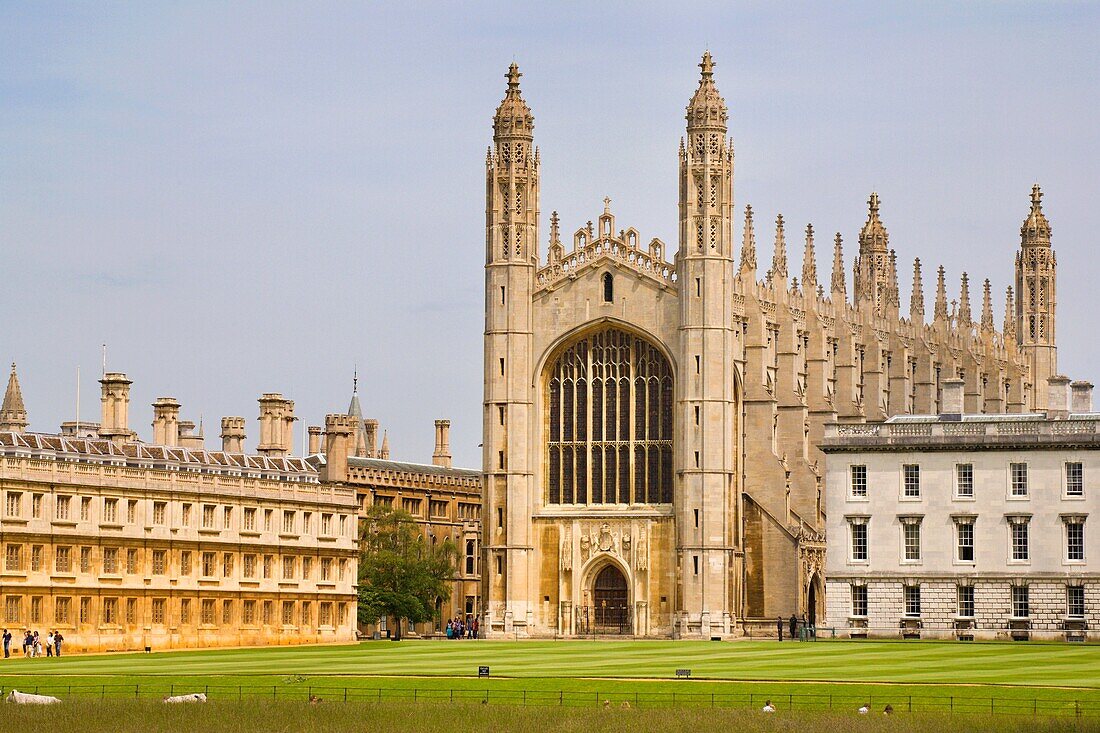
815, 600
611, 601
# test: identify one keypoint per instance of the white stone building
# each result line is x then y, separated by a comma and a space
968, 526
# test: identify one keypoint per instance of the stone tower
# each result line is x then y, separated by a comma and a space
1035, 277
511, 237
706, 504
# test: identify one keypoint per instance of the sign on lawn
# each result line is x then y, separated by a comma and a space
683, 673
483, 671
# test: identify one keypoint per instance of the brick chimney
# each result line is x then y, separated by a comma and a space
952, 402
442, 454
166, 421
338, 429
115, 424
276, 425
1058, 396
315, 432
233, 434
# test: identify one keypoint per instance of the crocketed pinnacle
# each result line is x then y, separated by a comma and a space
939, 311
964, 301
707, 108
809, 263
837, 286
13, 413
1009, 328
873, 236
748, 247
987, 307
778, 272
1035, 231
513, 117
916, 296
384, 454
893, 296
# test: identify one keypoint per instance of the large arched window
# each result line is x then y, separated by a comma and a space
609, 439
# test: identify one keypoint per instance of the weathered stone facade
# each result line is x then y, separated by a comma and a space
681, 400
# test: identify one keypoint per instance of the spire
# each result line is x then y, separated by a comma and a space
1009, 328
964, 302
13, 413
987, 307
357, 445
513, 117
838, 286
778, 272
893, 296
916, 297
1035, 231
873, 236
748, 247
809, 263
939, 311
384, 454
707, 108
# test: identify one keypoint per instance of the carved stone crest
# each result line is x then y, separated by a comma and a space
605, 541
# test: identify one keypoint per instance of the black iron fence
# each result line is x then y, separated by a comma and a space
1085, 705
603, 619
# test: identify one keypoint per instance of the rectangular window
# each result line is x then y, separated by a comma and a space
186, 515
911, 529
288, 568
288, 613
185, 562
36, 558
248, 613
13, 609
859, 541
1075, 540
1075, 479
268, 606
36, 506
341, 569
158, 611
110, 611
966, 601
13, 504
209, 564
912, 600
208, 612
325, 615
1075, 601
131, 512
307, 568
1020, 550
307, 522
110, 511
85, 559
343, 525
412, 506
859, 481
85, 508
911, 479
63, 559
326, 568
85, 609
227, 565
288, 522
110, 560
1019, 479
61, 509
185, 611
250, 520
268, 562
307, 613
268, 513
131, 610
964, 480
439, 508
227, 517
227, 613
249, 570
160, 561
1020, 605
36, 609
859, 600
131, 562
964, 531
208, 516
13, 557
62, 609
160, 510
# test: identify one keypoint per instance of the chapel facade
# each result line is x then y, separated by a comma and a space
651, 422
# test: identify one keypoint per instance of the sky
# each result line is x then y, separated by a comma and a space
240, 198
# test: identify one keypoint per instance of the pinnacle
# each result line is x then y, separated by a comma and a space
13, 413
513, 76
707, 65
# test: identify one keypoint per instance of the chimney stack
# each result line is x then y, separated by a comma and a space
315, 432
1058, 396
233, 434
116, 408
442, 454
276, 425
1081, 398
338, 429
166, 421
370, 427
188, 438
952, 402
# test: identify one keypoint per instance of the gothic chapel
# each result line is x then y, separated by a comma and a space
650, 459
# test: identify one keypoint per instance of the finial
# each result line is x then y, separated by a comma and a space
809, 262
778, 272
964, 300
554, 223
939, 311
513, 76
872, 202
987, 307
916, 297
748, 247
1036, 229
607, 204
707, 65
13, 367
838, 286
355, 380
1036, 198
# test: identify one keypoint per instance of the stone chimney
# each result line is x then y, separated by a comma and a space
370, 427
1081, 397
442, 454
276, 425
338, 429
166, 419
115, 424
315, 432
233, 434
952, 402
1058, 396
188, 438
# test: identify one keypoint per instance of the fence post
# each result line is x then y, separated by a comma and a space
951, 703
712, 699
345, 694
561, 695
1077, 708
135, 692
415, 691
486, 695
790, 702
102, 691
452, 694
240, 692
525, 697
990, 705
910, 703
273, 693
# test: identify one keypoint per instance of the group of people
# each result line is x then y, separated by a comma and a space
808, 629
458, 627
863, 709
33, 644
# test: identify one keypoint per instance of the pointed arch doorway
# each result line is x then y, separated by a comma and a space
611, 601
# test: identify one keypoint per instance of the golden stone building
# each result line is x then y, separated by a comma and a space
651, 423
120, 544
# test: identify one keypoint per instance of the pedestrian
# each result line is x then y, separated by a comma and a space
28, 643
477, 626
37, 645
7, 643
779, 627
888, 710
864, 709
794, 626
57, 639
768, 707
49, 644
450, 630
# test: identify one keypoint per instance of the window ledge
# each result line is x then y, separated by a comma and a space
288, 536
14, 520
63, 523
249, 533
288, 583
209, 531
110, 525
14, 574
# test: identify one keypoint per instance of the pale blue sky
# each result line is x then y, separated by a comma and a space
251, 197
